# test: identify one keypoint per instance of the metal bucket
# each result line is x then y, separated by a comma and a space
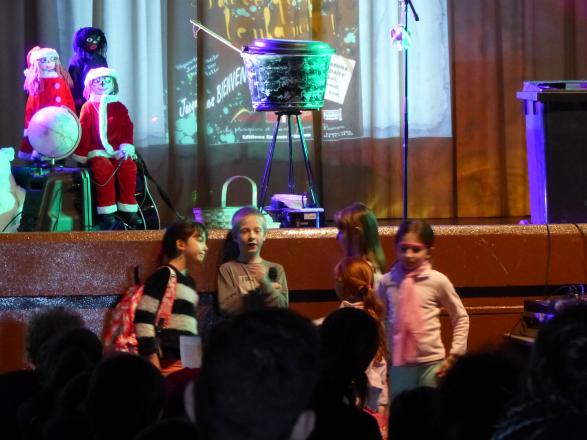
287, 75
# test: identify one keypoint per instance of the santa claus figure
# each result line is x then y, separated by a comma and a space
47, 83
107, 145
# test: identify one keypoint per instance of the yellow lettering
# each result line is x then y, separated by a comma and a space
267, 18
227, 21
281, 14
278, 32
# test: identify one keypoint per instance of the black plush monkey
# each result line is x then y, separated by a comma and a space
89, 47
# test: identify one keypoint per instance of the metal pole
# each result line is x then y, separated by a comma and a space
405, 147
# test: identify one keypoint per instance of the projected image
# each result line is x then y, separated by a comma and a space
230, 117
186, 124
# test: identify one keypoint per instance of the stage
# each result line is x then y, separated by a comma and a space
493, 266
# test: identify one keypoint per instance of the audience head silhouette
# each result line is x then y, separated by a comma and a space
126, 395
258, 374
558, 364
46, 325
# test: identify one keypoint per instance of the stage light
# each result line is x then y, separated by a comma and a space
401, 38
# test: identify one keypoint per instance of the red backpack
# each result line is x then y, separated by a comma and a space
119, 331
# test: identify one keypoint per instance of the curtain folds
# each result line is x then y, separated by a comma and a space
193, 119
496, 46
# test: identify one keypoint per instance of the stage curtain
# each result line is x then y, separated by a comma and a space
467, 144
497, 45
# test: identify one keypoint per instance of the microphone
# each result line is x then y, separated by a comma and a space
272, 274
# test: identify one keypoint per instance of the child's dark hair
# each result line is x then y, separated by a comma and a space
419, 227
48, 324
273, 347
349, 342
557, 364
360, 216
180, 230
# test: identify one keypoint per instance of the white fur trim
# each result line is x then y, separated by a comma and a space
125, 207
99, 72
80, 159
103, 121
99, 153
43, 52
128, 150
110, 209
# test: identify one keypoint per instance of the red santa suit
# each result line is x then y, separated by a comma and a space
55, 92
107, 138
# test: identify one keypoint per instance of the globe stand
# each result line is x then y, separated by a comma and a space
46, 164
43, 167
291, 181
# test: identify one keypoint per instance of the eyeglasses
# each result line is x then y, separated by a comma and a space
102, 79
53, 59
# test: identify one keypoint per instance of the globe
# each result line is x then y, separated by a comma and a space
54, 132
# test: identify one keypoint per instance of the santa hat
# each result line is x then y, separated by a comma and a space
30, 54
99, 72
36, 53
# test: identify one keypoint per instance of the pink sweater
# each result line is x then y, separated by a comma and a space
436, 292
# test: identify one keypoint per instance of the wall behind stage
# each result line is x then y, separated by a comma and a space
467, 151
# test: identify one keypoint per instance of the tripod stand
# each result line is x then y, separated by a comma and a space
290, 182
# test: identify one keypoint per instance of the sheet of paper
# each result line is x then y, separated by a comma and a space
190, 350
339, 78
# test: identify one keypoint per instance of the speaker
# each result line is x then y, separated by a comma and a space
556, 138
57, 199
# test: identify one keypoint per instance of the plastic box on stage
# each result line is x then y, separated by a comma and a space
57, 199
556, 137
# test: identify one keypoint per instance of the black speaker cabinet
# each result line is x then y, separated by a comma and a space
57, 199
556, 137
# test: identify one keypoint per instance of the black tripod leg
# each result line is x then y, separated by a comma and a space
309, 174
267, 172
291, 185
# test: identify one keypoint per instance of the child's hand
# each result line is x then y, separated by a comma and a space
446, 365
259, 272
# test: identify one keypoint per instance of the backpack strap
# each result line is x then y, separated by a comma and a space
164, 311
137, 278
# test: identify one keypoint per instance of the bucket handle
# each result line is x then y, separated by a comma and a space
232, 179
209, 31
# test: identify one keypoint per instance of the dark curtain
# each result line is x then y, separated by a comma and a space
479, 172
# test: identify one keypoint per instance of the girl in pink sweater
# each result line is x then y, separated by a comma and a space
414, 294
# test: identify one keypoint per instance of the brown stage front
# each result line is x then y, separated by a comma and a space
494, 268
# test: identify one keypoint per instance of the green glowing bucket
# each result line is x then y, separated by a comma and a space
287, 75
